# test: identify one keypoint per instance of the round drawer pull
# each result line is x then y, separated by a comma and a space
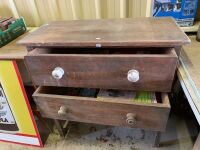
133, 75
62, 110
58, 73
131, 118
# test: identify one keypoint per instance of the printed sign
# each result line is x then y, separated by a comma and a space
7, 121
17, 124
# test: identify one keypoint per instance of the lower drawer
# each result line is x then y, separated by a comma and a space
54, 103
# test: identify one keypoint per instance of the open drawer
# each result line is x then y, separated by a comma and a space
54, 103
149, 69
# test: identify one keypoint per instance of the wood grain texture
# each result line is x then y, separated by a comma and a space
140, 32
104, 71
104, 111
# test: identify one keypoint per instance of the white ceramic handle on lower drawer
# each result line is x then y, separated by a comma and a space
133, 75
58, 73
62, 111
131, 119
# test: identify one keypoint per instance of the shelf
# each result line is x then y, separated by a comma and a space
193, 28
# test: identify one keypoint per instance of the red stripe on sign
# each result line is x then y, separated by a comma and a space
27, 102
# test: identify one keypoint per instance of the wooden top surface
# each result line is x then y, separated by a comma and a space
12, 51
189, 69
144, 32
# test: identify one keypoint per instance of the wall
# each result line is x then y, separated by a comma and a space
38, 12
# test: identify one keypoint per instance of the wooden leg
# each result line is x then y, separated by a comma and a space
41, 119
157, 139
61, 130
197, 143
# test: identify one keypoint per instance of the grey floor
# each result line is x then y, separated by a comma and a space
179, 135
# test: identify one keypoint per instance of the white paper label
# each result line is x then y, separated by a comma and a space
6, 116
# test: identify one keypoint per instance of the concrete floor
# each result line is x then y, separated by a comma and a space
178, 136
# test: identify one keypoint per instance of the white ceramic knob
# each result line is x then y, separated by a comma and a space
133, 75
58, 73
62, 111
131, 119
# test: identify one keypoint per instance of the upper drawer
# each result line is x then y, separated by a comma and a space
128, 69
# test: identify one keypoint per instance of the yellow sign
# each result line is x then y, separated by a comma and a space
17, 124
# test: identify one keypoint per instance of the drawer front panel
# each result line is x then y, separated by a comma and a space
90, 110
156, 72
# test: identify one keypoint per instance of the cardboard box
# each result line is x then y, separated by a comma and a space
183, 11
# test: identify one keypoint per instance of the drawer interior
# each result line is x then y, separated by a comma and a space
111, 51
92, 94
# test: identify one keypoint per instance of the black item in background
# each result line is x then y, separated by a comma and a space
198, 35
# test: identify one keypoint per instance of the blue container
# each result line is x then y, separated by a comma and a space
183, 11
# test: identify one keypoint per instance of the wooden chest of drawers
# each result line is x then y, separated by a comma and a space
124, 54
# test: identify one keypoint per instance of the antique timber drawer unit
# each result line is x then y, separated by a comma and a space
121, 54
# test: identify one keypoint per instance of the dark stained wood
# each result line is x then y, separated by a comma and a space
129, 32
104, 111
100, 68
104, 71
61, 130
157, 139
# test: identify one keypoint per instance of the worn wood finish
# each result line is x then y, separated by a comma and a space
129, 32
61, 130
104, 71
104, 111
157, 139
100, 68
